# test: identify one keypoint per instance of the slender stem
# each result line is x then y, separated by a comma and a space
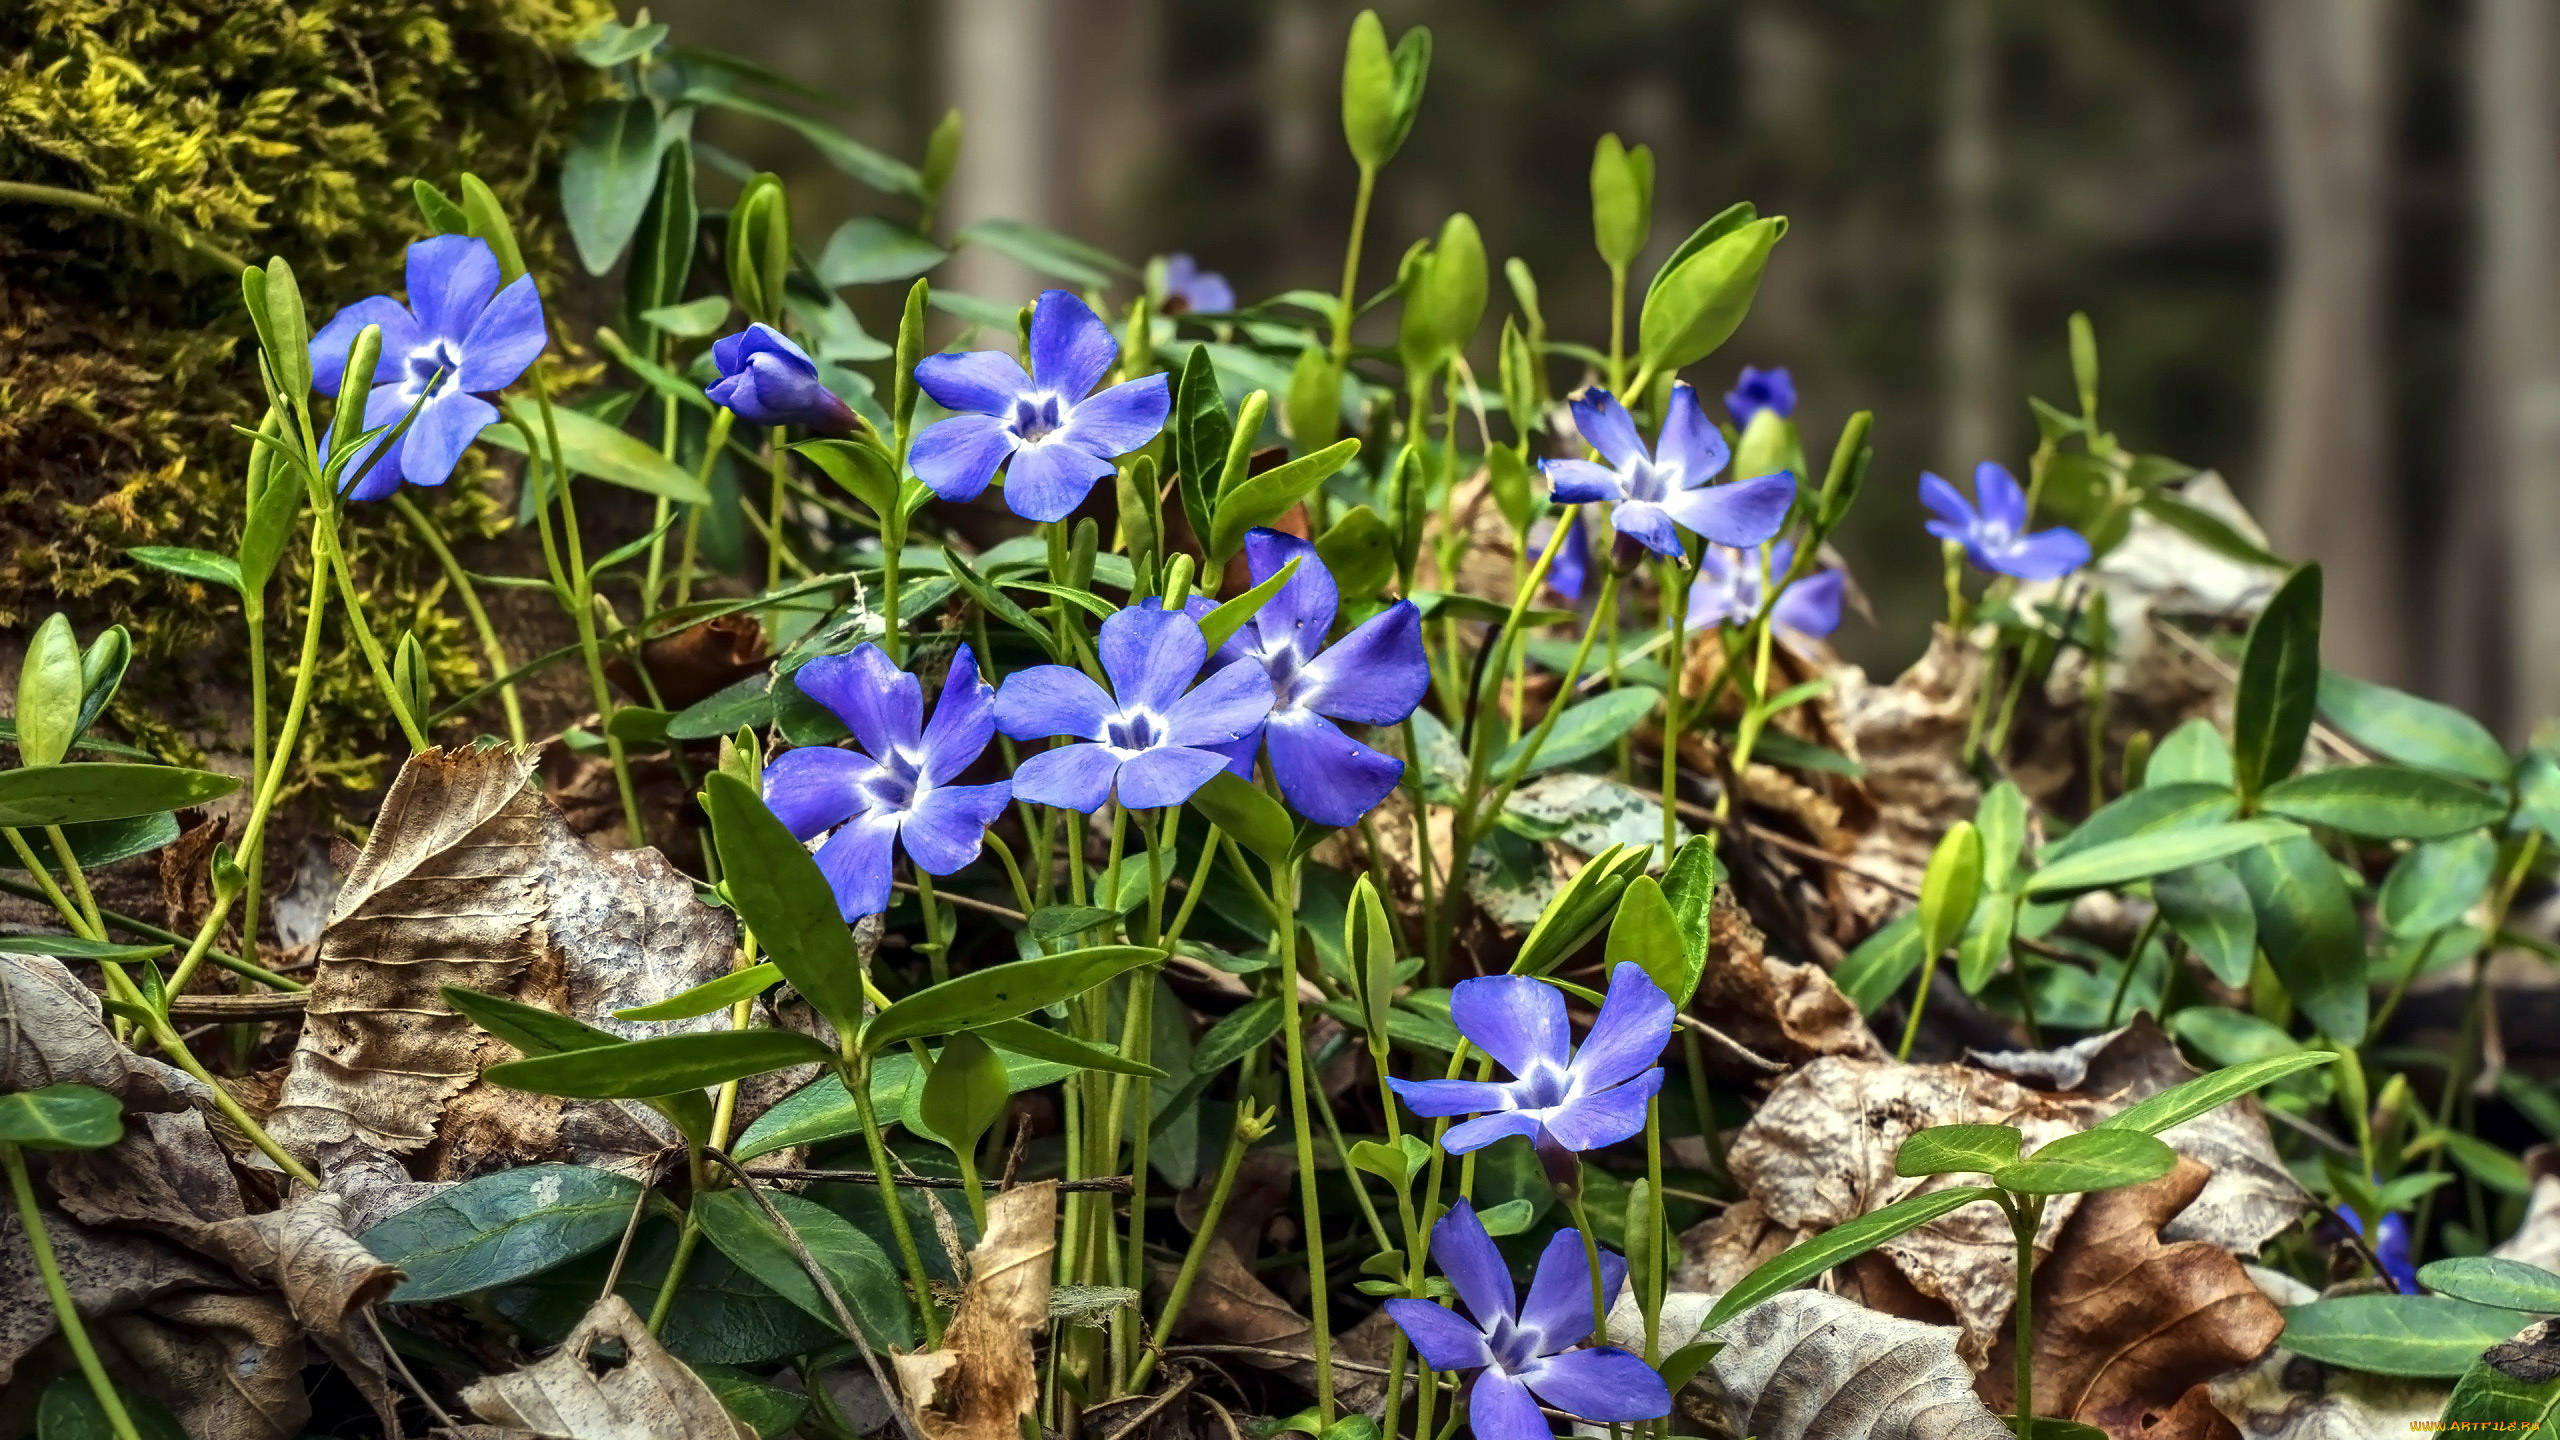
2132, 960
331, 556
934, 941
1351, 266
781, 470
1239, 1140
79, 881
857, 1078
1618, 330
174, 1045
71, 914
75, 1334
686, 1238
1284, 882
1675, 602
582, 610
1919, 1000
469, 594
2024, 1216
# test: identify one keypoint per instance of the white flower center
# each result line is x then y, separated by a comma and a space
1133, 731
1037, 416
431, 368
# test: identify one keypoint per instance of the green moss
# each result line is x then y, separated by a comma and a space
263, 128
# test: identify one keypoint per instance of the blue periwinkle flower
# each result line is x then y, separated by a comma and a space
1053, 436
770, 381
1520, 1350
458, 338
1562, 1099
1653, 490
1729, 590
1569, 574
1190, 290
896, 789
1154, 737
1756, 390
1373, 676
1995, 535
2390, 1247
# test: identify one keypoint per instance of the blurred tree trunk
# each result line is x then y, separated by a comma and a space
1972, 330
997, 68
1116, 125
2501, 624
2327, 493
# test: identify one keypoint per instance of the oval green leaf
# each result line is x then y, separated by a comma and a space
2412, 731
2419, 1336
708, 996
2090, 1160
61, 794
2179, 1104
779, 891
667, 1065
61, 1117
2386, 802
1806, 1259
2488, 1280
2279, 684
2155, 852
1001, 992
1958, 1149
502, 1227
853, 1261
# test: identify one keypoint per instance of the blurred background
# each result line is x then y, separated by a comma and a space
2317, 237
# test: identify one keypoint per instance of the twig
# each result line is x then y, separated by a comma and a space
1291, 1356
1113, 1184
967, 902
1014, 1152
622, 1252
1189, 1378
234, 1009
443, 1417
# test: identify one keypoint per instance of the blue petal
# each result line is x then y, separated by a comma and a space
1634, 1026
956, 457
813, 789
1949, 530
2045, 555
1588, 1122
1151, 656
1558, 1305
1607, 425
1811, 606
1476, 1270
329, 348
856, 862
964, 720
1071, 777
1071, 349
1500, 1408
1579, 482
1485, 1129
443, 430
943, 832
1570, 571
1120, 419
1166, 775
1690, 440
504, 340
1439, 1336
1516, 1019
2003, 503
1375, 675
1302, 613
376, 463
1437, 1099
1744, 514
883, 704
974, 382
1324, 774
1048, 481
1603, 1383
1948, 502
1047, 700
451, 278
1646, 523
732, 352
1228, 706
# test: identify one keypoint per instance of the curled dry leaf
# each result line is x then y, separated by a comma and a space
52, 1032
108, 1272
982, 1381
1789, 1013
225, 1367
610, 1380
1810, 1366
2126, 1326
1909, 737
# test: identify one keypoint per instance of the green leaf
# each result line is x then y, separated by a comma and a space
2487, 1163
2194, 753
2420, 1336
1047, 251
1647, 934
1381, 90
2386, 802
1243, 1031
709, 996
2179, 1104
665, 1065
2307, 925
1257, 821
61, 1117
49, 691
1580, 907
614, 43
1698, 300
2209, 908
862, 1275
202, 565
1001, 992
769, 1410
996, 603
70, 1411
1808, 1258
822, 1110
2488, 1398
2402, 727
1621, 200
1881, 962
1958, 1149
1360, 551
779, 891
502, 1227
1985, 943
2149, 809
71, 947
662, 252
2208, 529
873, 251
1039, 1042
2488, 1280
964, 1094
859, 468
2002, 818
59, 794
691, 320
1201, 432
2229, 1037
607, 176
1582, 731
590, 446
1275, 492
2156, 852
2279, 685
1232, 616
2436, 884
530, 1028
1949, 887
2091, 1160
1369, 950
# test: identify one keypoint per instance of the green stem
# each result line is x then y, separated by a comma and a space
61, 903
332, 557
469, 594
61, 198
1351, 266
75, 1334
79, 880
2024, 1216
1676, 603
687, 1237
780, 469
857, 1078
1239, 1140
2132, 960
1919, 1001
174, 1045
1284, 882
582, 610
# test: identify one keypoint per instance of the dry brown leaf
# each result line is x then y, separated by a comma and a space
108, 1272
52, 1032
586, 1391
1789, 1013
227, 1367
982, 1381
2285, 1397
1909, 737
1810, 1366
2125, 1325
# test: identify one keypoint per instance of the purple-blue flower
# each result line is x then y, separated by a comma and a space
459, 337
895, 790
1729, 589
1654, 490
1995, 535
770, 381
1757, 390
1569, 574
1154, 737
1373, 676
1190, 290
1520, 1349
1564, 1100
2390, 1247
1050, 432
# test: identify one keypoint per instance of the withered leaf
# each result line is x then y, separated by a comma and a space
226, 1367
1790, 1013
108, 1272
2127, 1325
52, 1032
609, 1381
982, 1381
